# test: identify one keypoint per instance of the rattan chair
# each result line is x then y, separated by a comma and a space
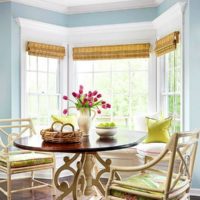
15, 161
149, 182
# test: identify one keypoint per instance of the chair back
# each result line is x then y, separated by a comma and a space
182, 148
11, 129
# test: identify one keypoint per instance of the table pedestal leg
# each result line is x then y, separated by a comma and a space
88, 171
84, 179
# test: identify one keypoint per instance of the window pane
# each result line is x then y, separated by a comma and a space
139, 82
102, 65
53, 65
42, 64
31, 81
54, 104
120, 65
84, 66
120, 82
121, 105
32, 65
102, 83
52, 83
42, 82
32, 105
139, 103
43, 105
139, 64
86, 80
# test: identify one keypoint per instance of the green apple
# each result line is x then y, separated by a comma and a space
107, 125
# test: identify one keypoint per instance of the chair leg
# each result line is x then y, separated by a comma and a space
8, 186
52, 182
32, 178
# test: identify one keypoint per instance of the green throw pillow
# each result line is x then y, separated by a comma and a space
64, 119
158, 130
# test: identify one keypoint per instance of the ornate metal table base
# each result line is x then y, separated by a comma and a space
84, 179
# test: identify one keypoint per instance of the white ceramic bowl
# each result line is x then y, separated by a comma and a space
106, 132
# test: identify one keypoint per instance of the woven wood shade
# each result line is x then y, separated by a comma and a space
167, 44
111, 52
45, 50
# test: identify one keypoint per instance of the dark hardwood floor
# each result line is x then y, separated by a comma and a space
38, 194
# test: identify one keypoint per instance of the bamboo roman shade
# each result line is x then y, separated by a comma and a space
45, 50
111, 52
167, 44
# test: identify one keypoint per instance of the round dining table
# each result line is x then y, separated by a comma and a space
87, 176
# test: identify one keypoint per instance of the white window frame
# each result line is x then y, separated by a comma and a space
162, 81
39, 94
44, 33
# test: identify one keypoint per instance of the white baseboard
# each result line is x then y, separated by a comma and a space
195, 192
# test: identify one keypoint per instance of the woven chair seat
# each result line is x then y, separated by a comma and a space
26, 159
148, 181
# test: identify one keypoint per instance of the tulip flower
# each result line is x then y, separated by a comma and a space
65, 97
89, 94
90, 100
74, 94
94, 93
80, 91
99, 96
108, 105
104, 106
65, 111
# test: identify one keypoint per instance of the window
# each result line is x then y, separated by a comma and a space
42, 88
122, 82
171, 87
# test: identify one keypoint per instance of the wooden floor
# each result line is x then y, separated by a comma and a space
39, 194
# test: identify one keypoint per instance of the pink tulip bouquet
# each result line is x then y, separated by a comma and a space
90, 100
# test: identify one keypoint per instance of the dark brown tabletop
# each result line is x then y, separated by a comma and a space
93, 143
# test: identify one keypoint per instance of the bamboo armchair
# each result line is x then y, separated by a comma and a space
14, 161
149, 182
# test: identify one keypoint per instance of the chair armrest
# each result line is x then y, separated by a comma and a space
140, 168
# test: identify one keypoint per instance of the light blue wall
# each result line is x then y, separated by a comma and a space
112, 17
29, 12
192, 56
5, 60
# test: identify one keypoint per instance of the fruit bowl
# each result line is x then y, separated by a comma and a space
106, 130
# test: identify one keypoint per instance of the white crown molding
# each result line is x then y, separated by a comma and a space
109, 28
134, 4
32, 24
100, 7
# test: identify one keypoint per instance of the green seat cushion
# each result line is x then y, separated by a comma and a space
158, 130
26, 159
144, 180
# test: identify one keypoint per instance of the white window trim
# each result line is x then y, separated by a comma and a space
48, 34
